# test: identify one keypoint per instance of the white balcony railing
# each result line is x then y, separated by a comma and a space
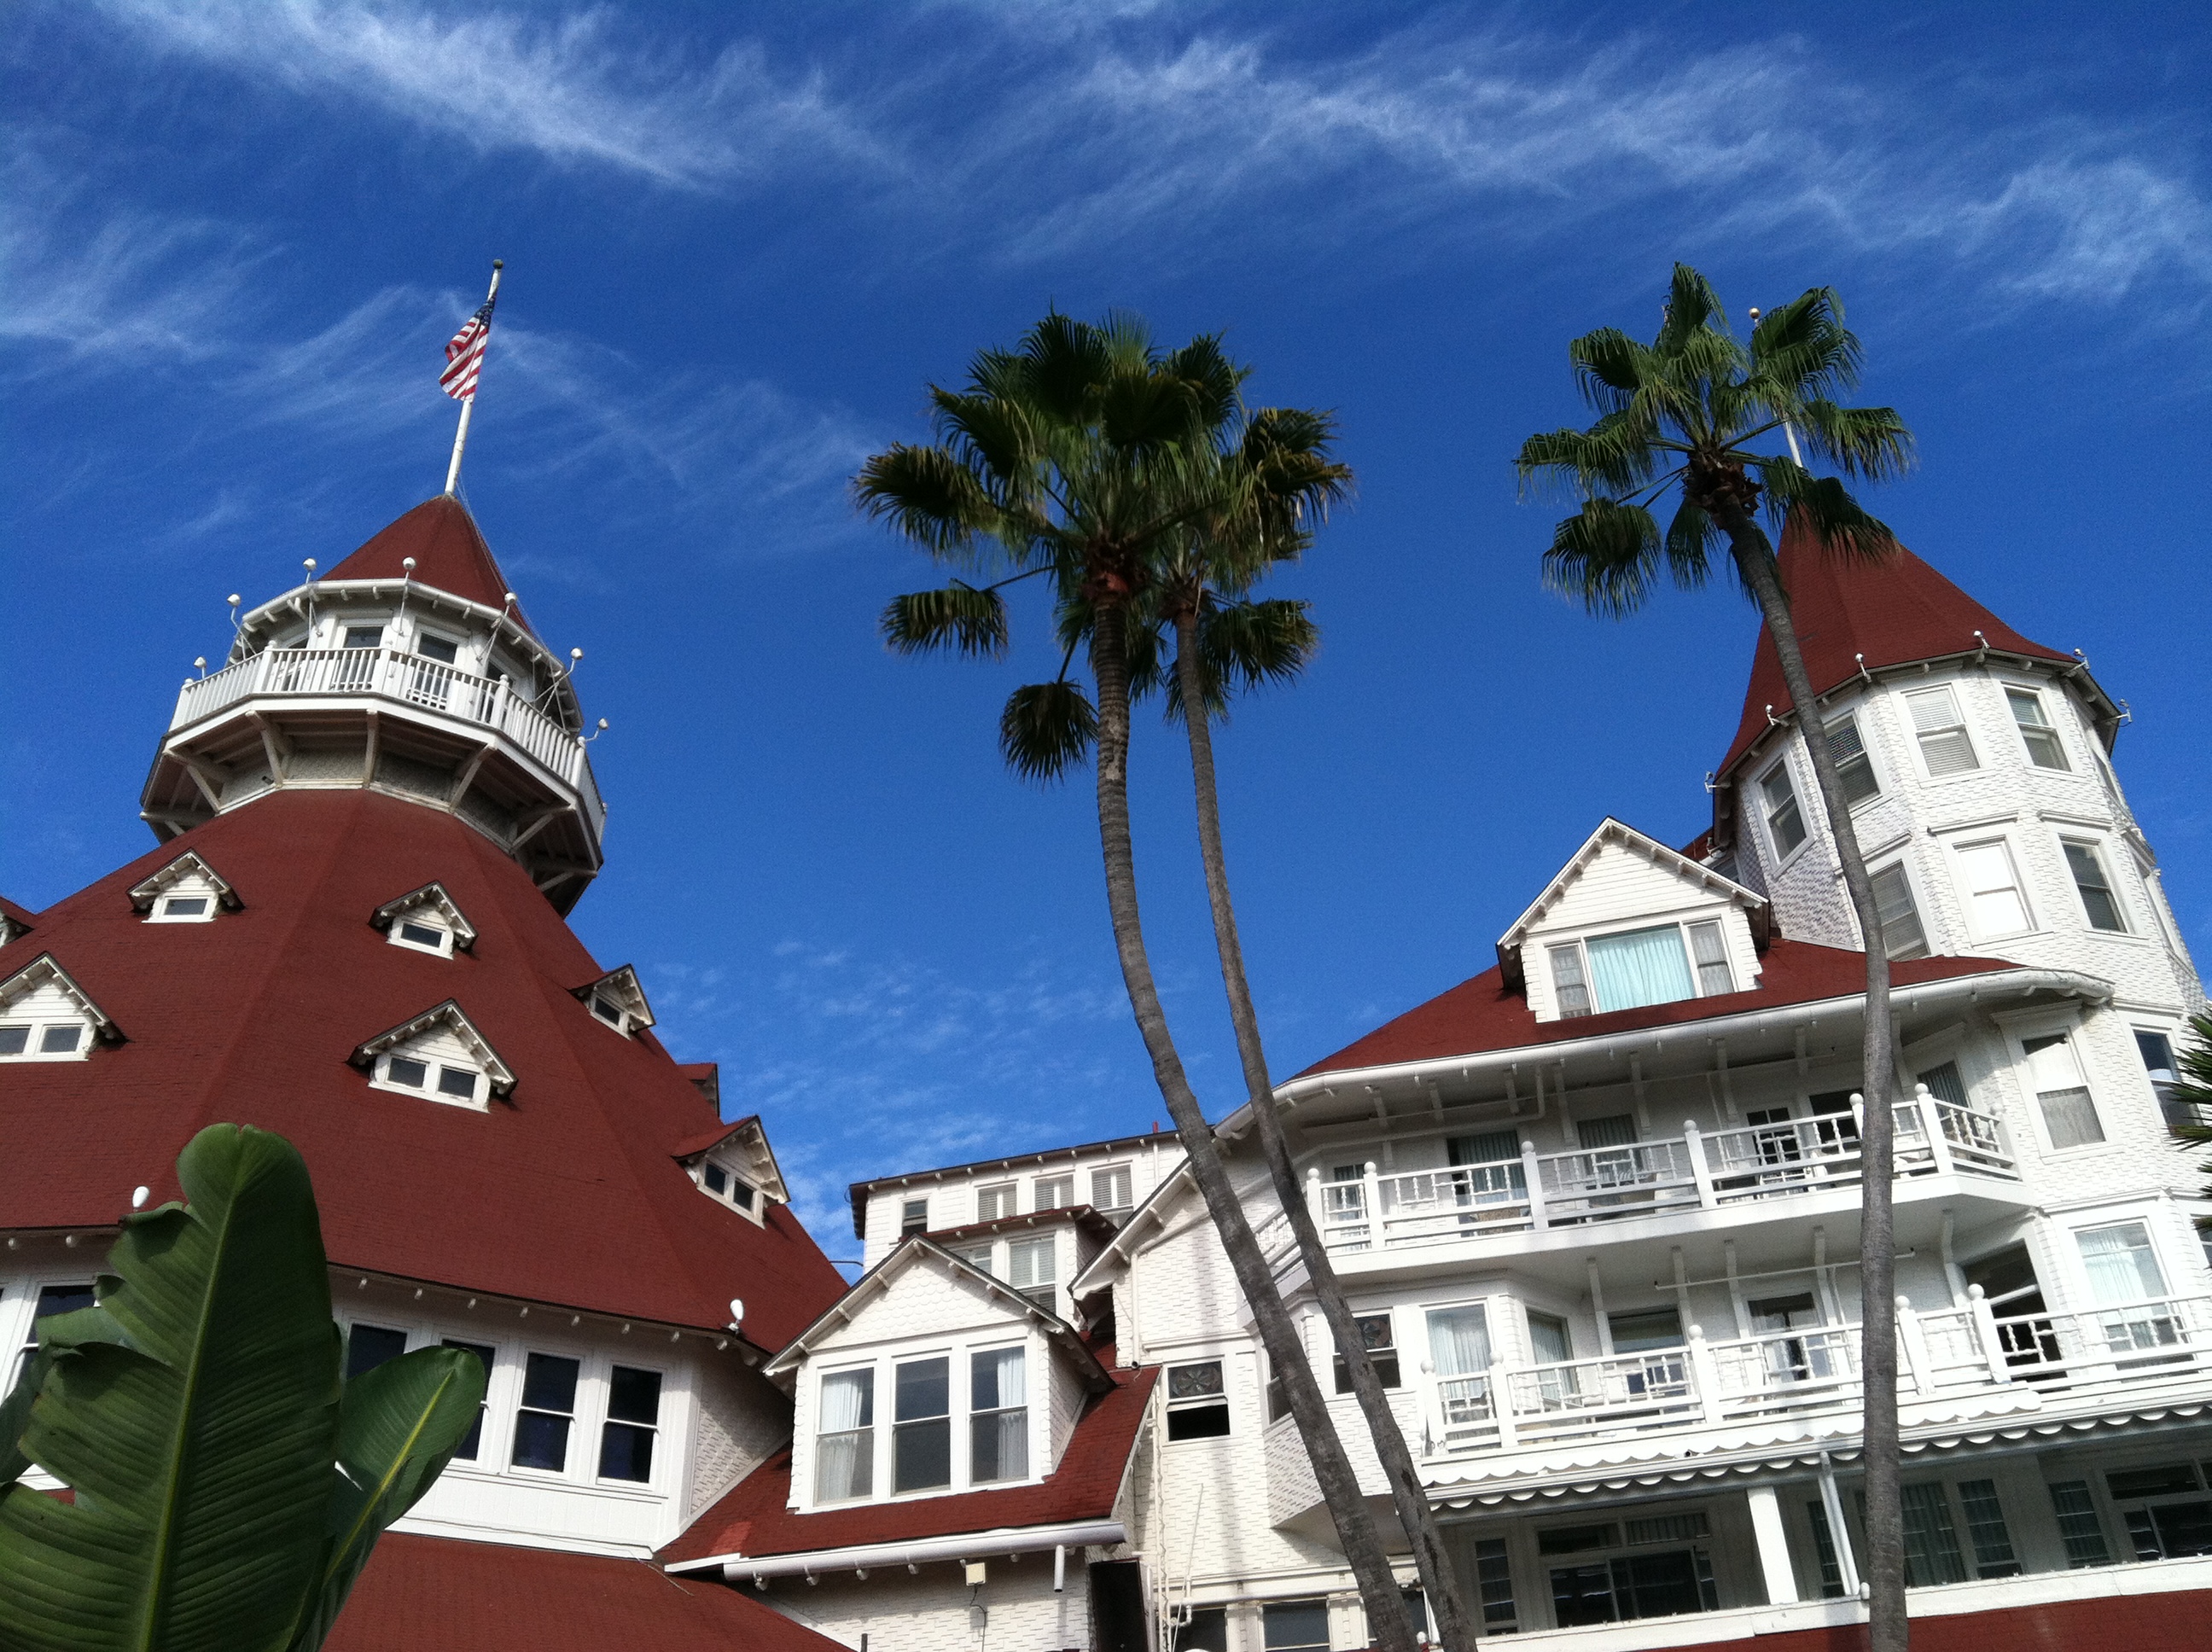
1695, 1170
1798, 1372
386, 673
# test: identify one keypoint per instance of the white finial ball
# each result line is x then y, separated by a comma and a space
407, 563
510, 596
575, 653
737, 1310
200, 660
307, 562
234, 599
603, 723
139, 1196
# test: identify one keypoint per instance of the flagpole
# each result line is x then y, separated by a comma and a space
469, 406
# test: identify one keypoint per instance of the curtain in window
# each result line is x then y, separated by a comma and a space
2120, 1263
1992, 889
1944, 1084
1714, 975
844, 1459
1931, 1541
1459, 1341
1548, 1340
1645, 966
999, 1400
1572, 993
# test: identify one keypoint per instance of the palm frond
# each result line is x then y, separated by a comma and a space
1063, 360
1214, 380
1613, 456
956, 618
1690, 304
1243, 646
1605, 556
1871, 442
927, 495
1047, 729
1609, 367
1691, 538
1824, 505
1804, 346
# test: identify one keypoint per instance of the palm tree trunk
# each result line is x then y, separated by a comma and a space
1455, 1630
1333, 1473
1887, 1628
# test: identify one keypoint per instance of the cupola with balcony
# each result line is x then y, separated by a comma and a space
408, 669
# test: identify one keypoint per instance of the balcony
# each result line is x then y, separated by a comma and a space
1809, 1378
1698, 1171
446, 693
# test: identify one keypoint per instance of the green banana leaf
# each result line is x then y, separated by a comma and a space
56, 1331
199, 1440
397, 1431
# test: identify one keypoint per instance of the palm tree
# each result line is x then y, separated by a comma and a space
1684, 411
1077, 458
1223, 640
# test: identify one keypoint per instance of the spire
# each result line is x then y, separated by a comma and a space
449, 551
1851, 614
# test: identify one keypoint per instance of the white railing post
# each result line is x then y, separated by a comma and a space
1317, 1205
1501, 1406
1700, 1172
1931, 1126
1984, 1321
1913, 1347
1533, 1180
1705, 1374
1370, 1191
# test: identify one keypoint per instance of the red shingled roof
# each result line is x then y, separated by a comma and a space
435, 1594
448, 549
565, 1193
1894, 612
753, 1518
1481, 1014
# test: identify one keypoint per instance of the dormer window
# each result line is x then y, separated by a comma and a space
426, 921
1785, 823
430, 938
185, 891
445, 1081
47, 1017
182, 907
618, 1000
734, 1166
730, 1187
1663, 964
440, 1056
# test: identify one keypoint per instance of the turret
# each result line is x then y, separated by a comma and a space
407, 669
1979, 763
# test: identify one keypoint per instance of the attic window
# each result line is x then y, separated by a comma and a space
1663, 964
607, 1011
45, 1017
43, 1040
618, 1000
185, 891
728, 1187
445, 1081
423, 936
182, 908
440, 1056
425, 920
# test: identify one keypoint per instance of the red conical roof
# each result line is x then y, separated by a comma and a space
450, 554
1892, 612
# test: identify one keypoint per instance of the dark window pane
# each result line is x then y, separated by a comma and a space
14, 1040
925, 1389
549, 1383
634, 1396
1295, 1625
741, 1195
1206, 1632
184, 906
607, 1009
718, 1179
2153, 1482
2157, 1051
541, 1440
62, 1299
1636, 1334
438, 648
1198, 1422
472, 1441
914, 1217
369, 1346
58, 1040
422, 935
456, 1081
921, 1456
626, 1453
2184, 1528
401, 1071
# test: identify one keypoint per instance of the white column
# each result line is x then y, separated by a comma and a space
1773, 1545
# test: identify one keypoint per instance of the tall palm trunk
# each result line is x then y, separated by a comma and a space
1454, 1629
1887, 1629
1340, 1488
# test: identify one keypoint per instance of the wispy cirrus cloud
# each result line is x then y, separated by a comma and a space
575, 88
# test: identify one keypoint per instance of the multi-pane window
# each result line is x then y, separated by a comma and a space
921, 1424
2095, 886
1568, 986
1711, 956
364, 636
1494, 1576
1052, 1192
448, 1081
1853, 767
549, 1407
1110, 1188
1645, 966
1944, 1084
2166, 1527
1824, 1551
845, 1437
995, 1201
1380, 1343
2079, 1528
1902, 935
1986, 1531
49, 1041
718, 1181
914, 1217
1033, 1268
1549, 1343
1197, 1403
997, 1416
444, 650
1941, 731
633, 1421
369, 1346
1785, 823
472, 1441
52, 1299
1931, 1541
2121, 1265
2036, 733
1295, 1625
1991, 884
2069, 1115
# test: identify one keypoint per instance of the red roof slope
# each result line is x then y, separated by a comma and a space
1894, 612
753, 1519
564, 1194
435, 1594
1480, 1014
448, 549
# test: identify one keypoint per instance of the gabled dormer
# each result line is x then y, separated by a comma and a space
1629, 922
185, 891
617, 999
438, 1056
734, 1165
15, 921
47, 1017
425, 920
930, 1379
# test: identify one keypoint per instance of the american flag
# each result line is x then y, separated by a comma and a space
464, 354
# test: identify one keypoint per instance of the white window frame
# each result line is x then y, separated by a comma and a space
1038, 1205
444, 949
1904, 867
620, 1020
959, 1352
735, 1179
161, 913
1682, 925
1954, 845
1127, 1173
1965, 725
434, 1066
2084, 1223
2095, 844
1782, 767
1169, 1406
36, 1033
1006, 1196
2035, 692
2018, 1034
1851, 719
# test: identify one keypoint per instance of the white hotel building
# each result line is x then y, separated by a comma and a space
1597, 1205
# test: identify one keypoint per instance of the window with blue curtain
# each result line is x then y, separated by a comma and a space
1645, 966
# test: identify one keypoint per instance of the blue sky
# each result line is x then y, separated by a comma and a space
741, 240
